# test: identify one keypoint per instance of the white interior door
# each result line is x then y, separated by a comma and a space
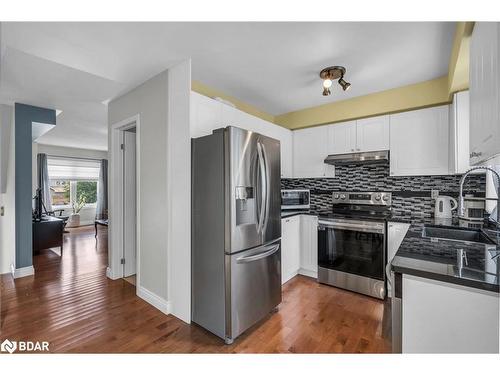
129, 204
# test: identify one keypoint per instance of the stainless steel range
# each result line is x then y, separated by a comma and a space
352, 242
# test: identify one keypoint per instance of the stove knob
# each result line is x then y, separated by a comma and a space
336, 196
385, 198
377, 197
342, 196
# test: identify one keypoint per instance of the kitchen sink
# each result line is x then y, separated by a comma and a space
457, 234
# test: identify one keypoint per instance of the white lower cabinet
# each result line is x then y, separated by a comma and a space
290, 247
299, 246
396, 232
440, 317
309, 246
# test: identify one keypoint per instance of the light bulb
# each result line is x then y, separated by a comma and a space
327, 83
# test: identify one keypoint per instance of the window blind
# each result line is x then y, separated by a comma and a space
73, 169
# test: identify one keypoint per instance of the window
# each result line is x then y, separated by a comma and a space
86, 190
73, 180
63, 192
60, 192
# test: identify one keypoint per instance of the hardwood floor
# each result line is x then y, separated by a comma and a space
70, 303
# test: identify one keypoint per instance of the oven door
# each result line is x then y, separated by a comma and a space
353, 247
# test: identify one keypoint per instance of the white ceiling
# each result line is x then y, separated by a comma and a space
76, 67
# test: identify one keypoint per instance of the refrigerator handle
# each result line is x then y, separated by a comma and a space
263, 187
264, 254
268, 187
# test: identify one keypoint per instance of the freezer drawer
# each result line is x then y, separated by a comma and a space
255, 285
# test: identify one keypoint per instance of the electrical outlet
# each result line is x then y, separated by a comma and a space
434, 194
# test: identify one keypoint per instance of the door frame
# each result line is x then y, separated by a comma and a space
115, 211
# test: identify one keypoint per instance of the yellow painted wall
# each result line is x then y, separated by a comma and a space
419, 95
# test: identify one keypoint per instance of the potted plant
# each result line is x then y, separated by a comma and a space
77, 205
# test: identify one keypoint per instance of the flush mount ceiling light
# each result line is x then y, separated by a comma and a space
328, 75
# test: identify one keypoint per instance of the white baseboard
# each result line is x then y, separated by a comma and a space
110, 275
289, 277
161, 304
22, 272
310, 273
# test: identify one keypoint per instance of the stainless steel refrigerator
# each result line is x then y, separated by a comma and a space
236, 230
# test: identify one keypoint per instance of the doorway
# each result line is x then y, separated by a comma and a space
129, 257
124, 204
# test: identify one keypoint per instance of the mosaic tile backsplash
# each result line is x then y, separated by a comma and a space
411, 196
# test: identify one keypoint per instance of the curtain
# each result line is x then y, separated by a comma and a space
102, 192
43, 181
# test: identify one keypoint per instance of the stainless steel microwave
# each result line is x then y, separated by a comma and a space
295, 199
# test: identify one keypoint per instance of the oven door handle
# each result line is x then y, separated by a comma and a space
377, 228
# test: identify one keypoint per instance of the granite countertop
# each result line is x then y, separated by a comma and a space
437, 258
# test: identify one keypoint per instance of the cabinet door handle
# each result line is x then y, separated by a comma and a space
474, 154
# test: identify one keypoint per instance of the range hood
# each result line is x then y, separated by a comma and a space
371, 157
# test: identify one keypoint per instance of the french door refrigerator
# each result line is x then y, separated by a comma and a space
236, 230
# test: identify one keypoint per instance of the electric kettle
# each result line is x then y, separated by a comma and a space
443, 207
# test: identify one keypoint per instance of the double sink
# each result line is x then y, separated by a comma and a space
457, 234
467, 235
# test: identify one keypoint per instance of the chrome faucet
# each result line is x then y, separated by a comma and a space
461, 204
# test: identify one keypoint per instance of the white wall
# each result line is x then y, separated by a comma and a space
87, 214
6, 126
7, 198
149, 101
179, 178
162, 104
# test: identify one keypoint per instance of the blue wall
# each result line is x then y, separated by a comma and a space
24, 116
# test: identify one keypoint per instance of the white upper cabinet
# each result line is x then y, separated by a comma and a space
459, 133
372, 134
419, 142
341, 138
309, 152
484, 92
206, 115
234, 117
